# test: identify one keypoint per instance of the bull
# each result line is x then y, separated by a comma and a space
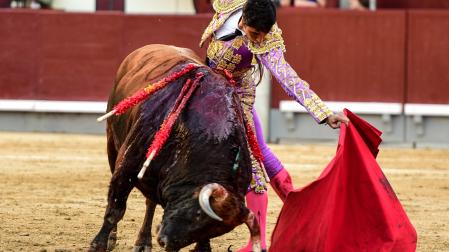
202, 172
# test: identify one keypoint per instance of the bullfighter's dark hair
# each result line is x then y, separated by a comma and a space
259, 14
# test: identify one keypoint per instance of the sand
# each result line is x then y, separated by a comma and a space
53, 192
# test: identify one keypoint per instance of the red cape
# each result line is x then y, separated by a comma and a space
350, 207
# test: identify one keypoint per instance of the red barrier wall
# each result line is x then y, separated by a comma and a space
428, 57
346, 55
383, 56
79, 54
183, 31
19, 54
74, 56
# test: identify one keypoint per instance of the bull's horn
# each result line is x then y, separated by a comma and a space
204, 196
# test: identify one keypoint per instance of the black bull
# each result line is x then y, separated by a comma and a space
206, 152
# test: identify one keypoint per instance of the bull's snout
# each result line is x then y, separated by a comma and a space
162, 240
169, 245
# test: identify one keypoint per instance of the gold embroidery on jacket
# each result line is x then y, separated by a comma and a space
224, 56
247, 95
224, 6
272, 40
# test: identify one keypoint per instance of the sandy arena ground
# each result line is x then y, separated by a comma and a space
53, 192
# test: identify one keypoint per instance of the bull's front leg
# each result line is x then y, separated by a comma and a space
254, 230
112, 240
202, 246
119, 189
143, 242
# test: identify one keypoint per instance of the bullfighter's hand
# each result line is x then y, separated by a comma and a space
335, 120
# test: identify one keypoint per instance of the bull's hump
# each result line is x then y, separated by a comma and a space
149, 64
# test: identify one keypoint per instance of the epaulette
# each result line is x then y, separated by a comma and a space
226, 6
223, 9
272, 40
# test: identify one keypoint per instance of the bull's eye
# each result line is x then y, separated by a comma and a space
198, 215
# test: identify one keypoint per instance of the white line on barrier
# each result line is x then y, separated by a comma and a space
53, 106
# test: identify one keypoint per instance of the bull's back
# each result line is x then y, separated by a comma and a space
210, 128
142, 67
148, 64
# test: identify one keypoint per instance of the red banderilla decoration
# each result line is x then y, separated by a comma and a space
166, 127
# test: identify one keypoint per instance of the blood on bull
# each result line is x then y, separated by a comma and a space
182, 142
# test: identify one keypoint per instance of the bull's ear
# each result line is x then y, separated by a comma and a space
218, 194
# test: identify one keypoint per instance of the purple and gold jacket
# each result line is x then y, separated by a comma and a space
239, 55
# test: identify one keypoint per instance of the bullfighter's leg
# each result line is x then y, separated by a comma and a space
143, 242
119, 189
256, 221
279, 176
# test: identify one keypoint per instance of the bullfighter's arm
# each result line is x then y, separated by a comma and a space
294, 86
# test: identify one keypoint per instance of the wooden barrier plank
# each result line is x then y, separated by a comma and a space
428, 57
180, 30
89, 107
346, 55
19, 53
80, 55
372, 108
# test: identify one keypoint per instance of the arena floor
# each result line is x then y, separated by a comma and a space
54, 186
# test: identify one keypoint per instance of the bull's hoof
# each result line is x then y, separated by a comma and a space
95, 247
202, 247
142, 248
112, 240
